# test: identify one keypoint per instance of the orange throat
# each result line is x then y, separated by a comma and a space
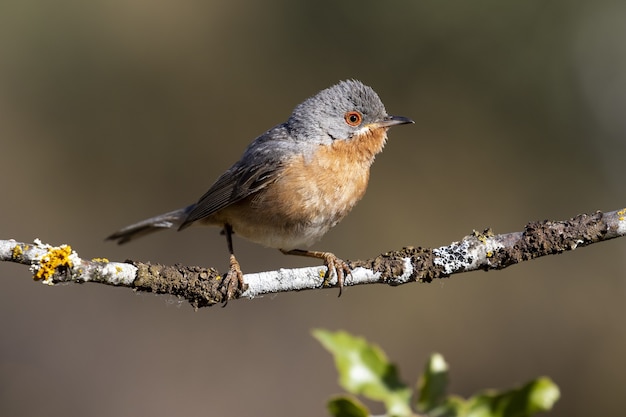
362, 148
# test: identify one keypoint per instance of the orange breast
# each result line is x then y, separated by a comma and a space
311, 196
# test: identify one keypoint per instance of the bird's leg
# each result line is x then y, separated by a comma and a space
333, 264
234, 279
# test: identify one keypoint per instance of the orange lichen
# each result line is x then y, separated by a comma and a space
54, 259
17, 252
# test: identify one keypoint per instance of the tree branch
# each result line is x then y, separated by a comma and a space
202, 286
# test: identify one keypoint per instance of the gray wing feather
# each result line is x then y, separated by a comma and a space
234, 185
259, 166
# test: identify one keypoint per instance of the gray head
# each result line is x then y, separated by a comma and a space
340, 112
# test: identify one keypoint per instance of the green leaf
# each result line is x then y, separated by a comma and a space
538, 395
432, 384
347, 407
365, 370
452, 406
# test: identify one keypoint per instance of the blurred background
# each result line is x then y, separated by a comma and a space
113, 111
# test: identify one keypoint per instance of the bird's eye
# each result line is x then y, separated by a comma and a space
353, 118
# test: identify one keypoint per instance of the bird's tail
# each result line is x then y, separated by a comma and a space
154, 224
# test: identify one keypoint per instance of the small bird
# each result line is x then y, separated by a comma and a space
294, 182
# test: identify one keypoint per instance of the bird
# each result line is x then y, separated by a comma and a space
294, 182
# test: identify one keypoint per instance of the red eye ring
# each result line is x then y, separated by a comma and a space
353, 118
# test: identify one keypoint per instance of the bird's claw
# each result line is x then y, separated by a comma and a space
338, 267
233, 281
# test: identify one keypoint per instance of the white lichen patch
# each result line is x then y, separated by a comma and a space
466, 255
453, 257
621, 222
116, 273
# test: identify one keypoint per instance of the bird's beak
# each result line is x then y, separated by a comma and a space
389, 121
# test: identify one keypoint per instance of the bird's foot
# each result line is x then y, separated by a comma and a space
335, 266
233, 281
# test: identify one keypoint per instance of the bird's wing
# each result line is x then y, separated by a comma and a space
234, 185
259, 166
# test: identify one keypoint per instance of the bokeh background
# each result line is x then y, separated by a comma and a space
112, 111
